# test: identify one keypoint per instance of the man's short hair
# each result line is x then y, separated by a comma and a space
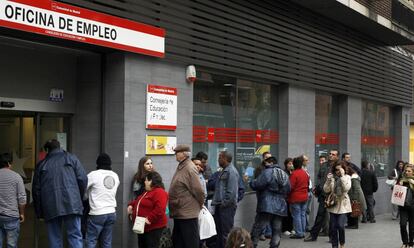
5, 160
51, 145
335, 150
344, 154
227, 155
201, 155
323, 156
264, 154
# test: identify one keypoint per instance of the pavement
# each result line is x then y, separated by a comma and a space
383, 234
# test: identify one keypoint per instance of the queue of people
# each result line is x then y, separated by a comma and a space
61, 188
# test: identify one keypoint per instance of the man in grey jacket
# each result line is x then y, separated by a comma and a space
225, 198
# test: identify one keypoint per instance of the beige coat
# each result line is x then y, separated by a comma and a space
186, 195
343, 204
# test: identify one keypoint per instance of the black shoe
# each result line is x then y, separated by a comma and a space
372, 221
363, 221
295, 237
351, 227
309, 239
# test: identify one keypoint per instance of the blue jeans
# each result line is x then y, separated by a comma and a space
73, 228
299, 217
10, 230
100, 227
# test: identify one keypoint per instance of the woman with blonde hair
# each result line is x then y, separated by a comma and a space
407, 211
144, 167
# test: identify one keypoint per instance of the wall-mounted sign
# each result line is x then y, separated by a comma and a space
56, 95
78, 24
161, 107
160, 145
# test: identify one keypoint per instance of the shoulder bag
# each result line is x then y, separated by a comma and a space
330, 200
139, 223
391, 182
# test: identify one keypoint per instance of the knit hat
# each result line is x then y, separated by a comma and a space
103, 160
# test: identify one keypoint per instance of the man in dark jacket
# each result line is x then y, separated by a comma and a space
272, 187
322, 215
59, 185
369, 185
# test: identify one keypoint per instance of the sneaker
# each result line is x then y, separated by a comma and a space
262, 237
287, 233
293, 232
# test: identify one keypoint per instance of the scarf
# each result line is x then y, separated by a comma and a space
406, 179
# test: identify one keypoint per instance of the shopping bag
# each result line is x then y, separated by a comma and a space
139, 225
206, 224
356, 209
398, 195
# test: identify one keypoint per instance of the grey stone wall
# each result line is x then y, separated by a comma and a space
126, 79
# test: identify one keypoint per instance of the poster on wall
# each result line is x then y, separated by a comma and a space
160, 145
161, 107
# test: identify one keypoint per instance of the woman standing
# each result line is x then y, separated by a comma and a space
395, 174
287, 222
407, 211
152, 205
338, 184
298, 197
144, 167
355, 194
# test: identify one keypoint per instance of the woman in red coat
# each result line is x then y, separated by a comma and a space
152, 205
299, 186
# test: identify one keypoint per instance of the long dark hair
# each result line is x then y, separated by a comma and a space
141, 173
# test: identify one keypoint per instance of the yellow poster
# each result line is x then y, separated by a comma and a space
160, 145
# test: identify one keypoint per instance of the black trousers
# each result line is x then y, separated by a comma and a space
185, 233
224, 219
407, 215
150, 239
320, 219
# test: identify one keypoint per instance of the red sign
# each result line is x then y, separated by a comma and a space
73, 23
203, 134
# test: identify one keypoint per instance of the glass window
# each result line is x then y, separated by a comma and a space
326, 125
235, 115
377, 137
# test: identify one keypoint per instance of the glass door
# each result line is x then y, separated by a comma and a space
23, 135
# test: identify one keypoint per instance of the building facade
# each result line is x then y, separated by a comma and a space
287, 77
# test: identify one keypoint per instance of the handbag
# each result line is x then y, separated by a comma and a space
392, 182
166, 240
356, 209
330, 200
206, 224
399, 193
139, 223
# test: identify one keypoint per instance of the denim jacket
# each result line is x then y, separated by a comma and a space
226, 188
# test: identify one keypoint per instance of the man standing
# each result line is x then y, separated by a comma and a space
12, 202
347, 157
59, 184
102, 186
310, 195
186, 198
272, 187
322, 215
225, 197
203, 157
369, 185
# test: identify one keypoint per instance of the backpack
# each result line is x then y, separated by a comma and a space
282, 180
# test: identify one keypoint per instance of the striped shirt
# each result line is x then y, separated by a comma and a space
12, 193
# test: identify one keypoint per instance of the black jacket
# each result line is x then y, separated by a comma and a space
369, 182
